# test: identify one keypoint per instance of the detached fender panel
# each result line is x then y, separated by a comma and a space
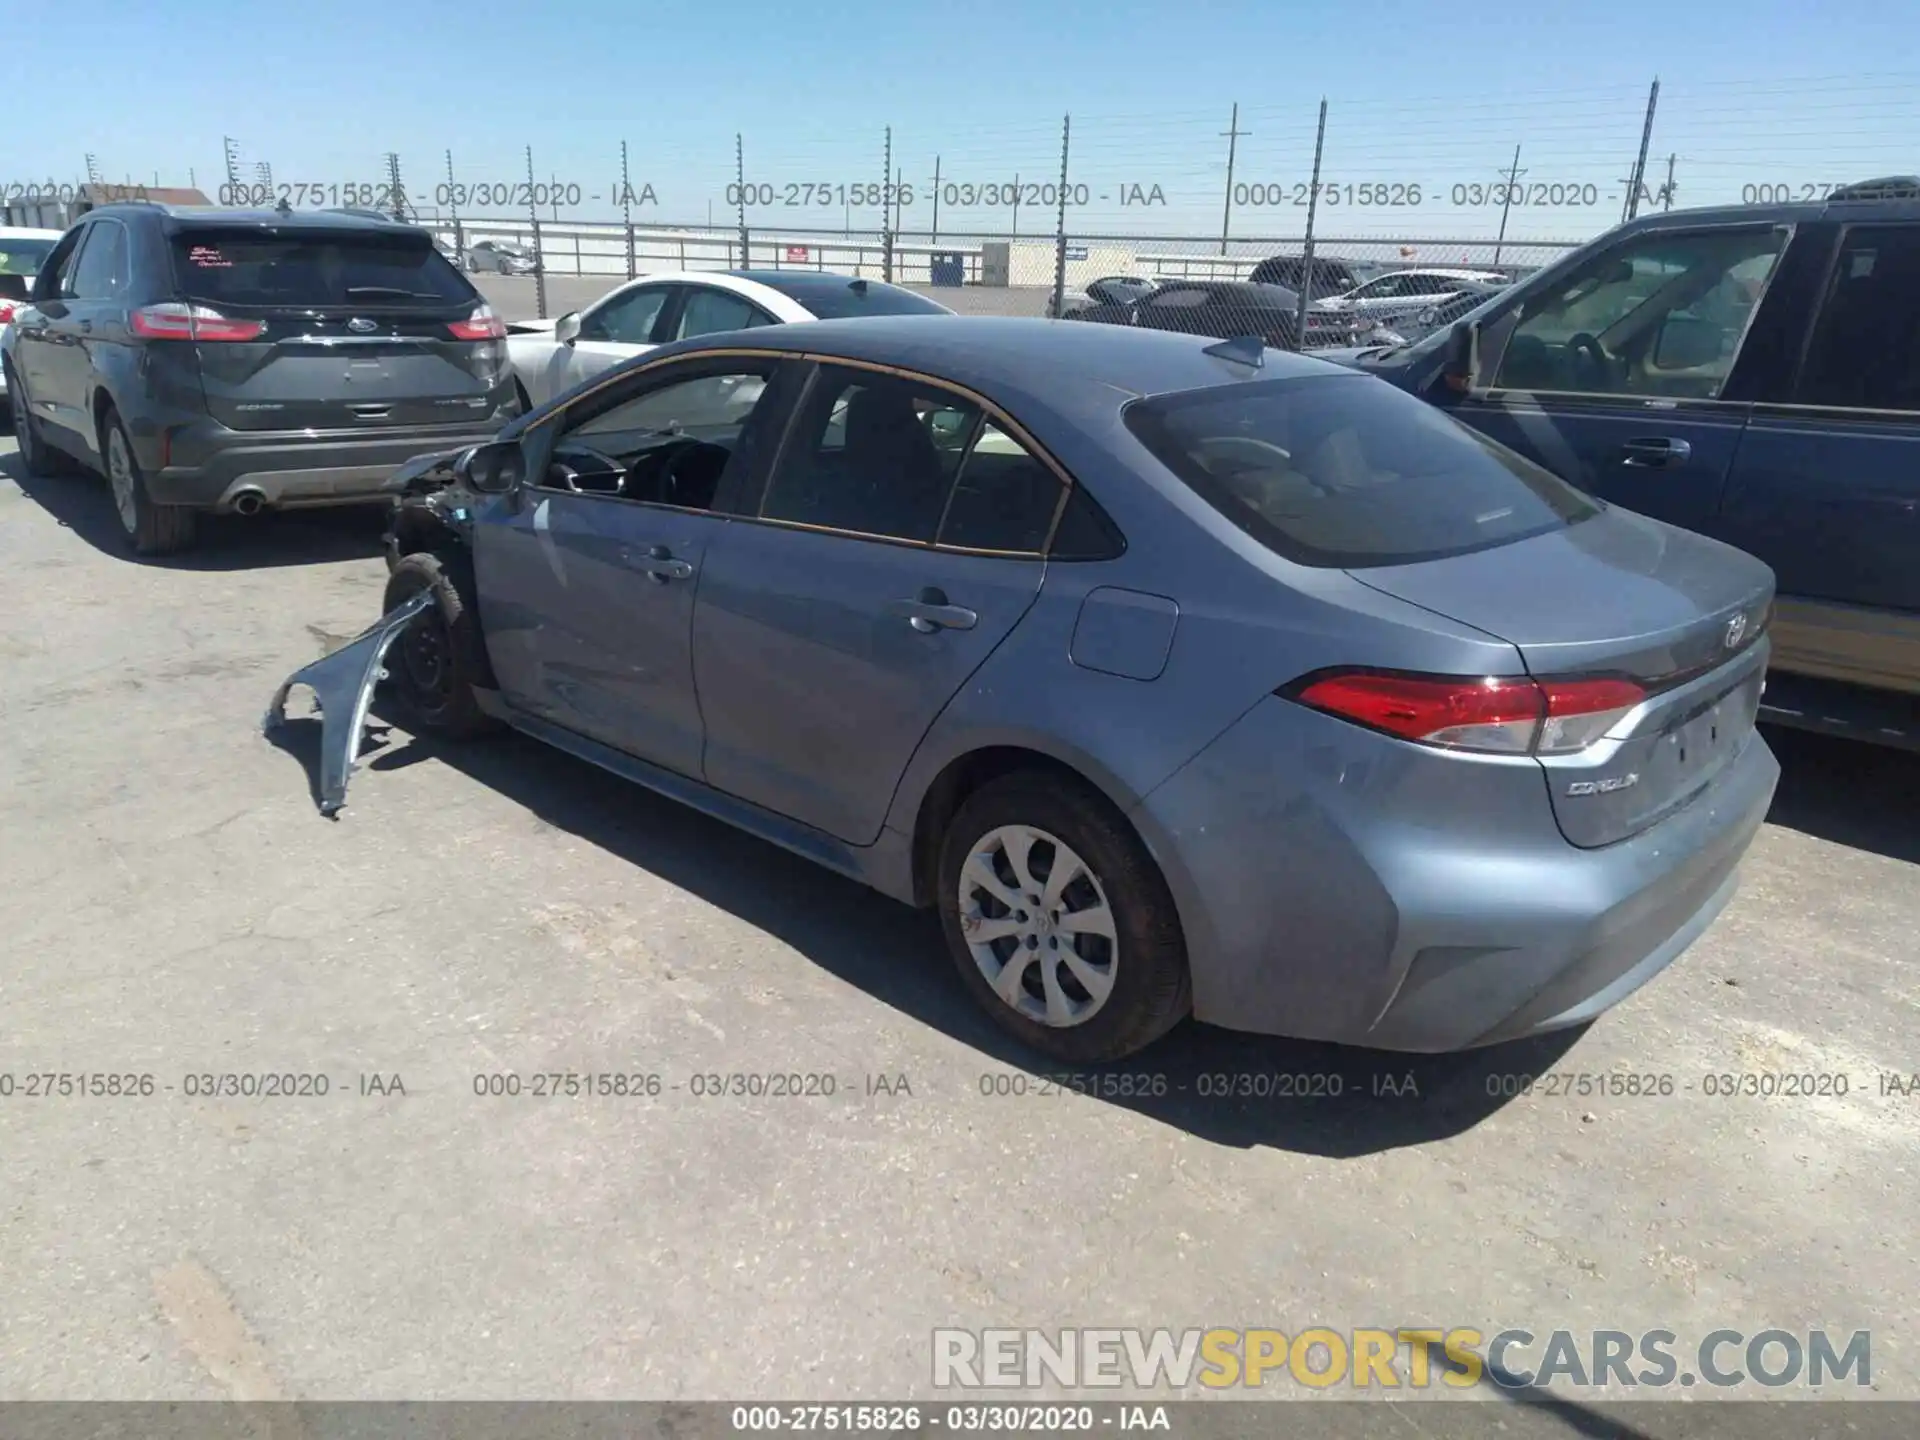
342, 684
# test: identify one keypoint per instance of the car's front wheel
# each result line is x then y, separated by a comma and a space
1059, 921
152, 528
439, 659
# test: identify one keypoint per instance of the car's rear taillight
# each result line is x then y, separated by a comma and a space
7, 307
482, 324
1496, 714
191, 322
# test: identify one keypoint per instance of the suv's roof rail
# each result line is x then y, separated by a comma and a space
1888, 187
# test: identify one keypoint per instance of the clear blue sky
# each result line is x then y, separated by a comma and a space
1419, 94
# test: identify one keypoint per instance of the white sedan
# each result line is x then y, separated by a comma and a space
21, 254
550, 357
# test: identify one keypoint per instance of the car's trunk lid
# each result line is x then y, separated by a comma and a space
355, 330
1621, 596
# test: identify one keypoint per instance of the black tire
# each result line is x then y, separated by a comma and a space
437, 661
1151, 991
151, 528
39, 458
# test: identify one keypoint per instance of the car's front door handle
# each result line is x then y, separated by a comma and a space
930, 611
1657, 453
659, 566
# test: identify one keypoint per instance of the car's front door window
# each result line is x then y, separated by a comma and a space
1660, 315
627, 318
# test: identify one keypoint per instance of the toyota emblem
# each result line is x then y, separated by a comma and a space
1736, 628
361, 326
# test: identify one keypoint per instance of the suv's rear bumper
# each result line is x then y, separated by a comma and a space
208, 467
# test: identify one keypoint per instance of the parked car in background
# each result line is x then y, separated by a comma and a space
1330, 277
550, 356
1107, 290
501, 257
1178, 677
1436, 315
1227, 309
241, 360
1752, 374
1404, 294
22, 253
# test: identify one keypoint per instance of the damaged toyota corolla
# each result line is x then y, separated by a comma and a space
1182, 678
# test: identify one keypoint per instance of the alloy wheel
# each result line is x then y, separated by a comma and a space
1036, 920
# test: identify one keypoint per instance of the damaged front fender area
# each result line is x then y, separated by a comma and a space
342, 684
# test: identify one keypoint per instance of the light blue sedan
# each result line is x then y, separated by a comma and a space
1180, 676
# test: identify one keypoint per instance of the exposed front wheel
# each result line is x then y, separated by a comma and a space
438, 660
153, 529
1059, 921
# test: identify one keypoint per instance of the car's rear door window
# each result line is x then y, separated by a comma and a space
242, 267
1865, 352
1347, 471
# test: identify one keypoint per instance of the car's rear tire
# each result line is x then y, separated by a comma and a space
1104, 972
151, 528
38, 457
437, 662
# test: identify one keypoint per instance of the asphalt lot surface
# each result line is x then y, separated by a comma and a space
174, 906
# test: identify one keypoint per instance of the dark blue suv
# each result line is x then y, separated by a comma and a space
1752, 373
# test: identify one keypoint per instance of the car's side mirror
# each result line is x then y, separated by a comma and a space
566, 329
1456, 372
490, 469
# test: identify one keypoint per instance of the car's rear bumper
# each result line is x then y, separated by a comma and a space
209, 467
1338, 885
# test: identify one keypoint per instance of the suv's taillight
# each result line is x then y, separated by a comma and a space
7, 307
1497, 714
191, 322
482, 324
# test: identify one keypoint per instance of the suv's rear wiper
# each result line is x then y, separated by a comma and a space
391, 290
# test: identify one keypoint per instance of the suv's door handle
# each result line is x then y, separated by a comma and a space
929, 611
659, 566
1656, 453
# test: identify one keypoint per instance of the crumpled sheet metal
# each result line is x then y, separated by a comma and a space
342, 684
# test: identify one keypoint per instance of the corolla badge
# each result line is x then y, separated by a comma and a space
360, 326
1736, 631
1603, 787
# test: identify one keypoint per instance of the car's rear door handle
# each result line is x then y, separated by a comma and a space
930, 611
1657, 453
659, 566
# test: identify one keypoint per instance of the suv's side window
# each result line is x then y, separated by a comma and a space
56, 278
627, 319
102, 271
1865, 352
1660, 315
870, 453
668, 441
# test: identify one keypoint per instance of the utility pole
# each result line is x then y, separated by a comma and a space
936, 202
886, 209
1233, 132
626, 206
1506, 201
1666, 190
740, 192
1313, 204
263, 173
1640, 164
1016, 206
1060, 224
539, 250
93, 169
234, 195
396, 192
453, 212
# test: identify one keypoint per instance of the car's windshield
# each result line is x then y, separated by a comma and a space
1345, 471
24, 257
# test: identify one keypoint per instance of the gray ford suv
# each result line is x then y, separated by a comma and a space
244, 360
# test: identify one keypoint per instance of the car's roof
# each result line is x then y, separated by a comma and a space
278, 219
799, 284
1066, 364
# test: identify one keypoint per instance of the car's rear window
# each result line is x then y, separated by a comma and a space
1348, 471
246, 267
841, 301
23, 256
